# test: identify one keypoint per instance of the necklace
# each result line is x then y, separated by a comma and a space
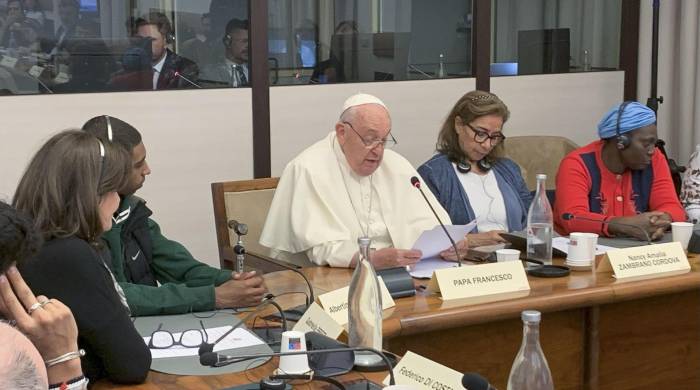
365, 230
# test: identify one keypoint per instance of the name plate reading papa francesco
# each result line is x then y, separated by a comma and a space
421, 373
645, 260
478, 280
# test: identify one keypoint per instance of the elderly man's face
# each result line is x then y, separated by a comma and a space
638, 155
17, 354
238, 49
14, 10
370, 123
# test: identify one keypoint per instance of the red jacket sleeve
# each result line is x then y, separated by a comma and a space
573, 186
663, 195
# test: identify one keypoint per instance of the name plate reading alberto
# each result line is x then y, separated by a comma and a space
317, 320
335, 303
421, 373
645, 260
479, 280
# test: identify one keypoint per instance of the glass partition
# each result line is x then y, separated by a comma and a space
63, 46
554, 36
341, 41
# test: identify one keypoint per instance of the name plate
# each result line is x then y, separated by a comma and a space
335, 303
317, 320
421, 373
479, 280
8, 61
645, 260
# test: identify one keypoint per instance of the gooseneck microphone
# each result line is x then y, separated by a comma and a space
178, 74
213, 359
474, 381
569, 216
416, 183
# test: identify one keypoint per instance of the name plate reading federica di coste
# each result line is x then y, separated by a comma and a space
479, 280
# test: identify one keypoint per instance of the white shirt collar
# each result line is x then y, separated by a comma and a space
159, 65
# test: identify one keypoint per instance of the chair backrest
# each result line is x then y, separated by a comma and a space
538, 154
246, 201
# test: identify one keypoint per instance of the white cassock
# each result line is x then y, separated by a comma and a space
321, 207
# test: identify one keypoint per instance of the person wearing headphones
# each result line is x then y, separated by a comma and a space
169, 70
622, 182
231, 70
69, 190
469, 175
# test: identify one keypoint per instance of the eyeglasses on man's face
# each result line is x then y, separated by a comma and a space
388, 142
481, 136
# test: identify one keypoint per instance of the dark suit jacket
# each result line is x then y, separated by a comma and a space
176, 64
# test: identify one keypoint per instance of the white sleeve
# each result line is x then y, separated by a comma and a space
334, 253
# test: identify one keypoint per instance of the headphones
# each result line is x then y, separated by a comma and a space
227, 40
483, 164
623, 140
110, 134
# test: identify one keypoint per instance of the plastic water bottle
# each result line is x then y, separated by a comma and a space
530, 370
365, 309
540, 223
442, 68
586, 61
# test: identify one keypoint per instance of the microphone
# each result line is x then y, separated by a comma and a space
213, 359
240, 228
177, 74
569, 216
474, 381
38, 80
416, 183
269, 300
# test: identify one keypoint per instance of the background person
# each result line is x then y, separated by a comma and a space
621, 178
69, 191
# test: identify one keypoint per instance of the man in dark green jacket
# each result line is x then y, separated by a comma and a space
158, 275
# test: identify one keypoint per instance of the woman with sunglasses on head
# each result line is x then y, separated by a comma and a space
69, 190
470, 177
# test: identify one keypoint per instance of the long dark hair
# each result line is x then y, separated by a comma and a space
472, 105
62, 185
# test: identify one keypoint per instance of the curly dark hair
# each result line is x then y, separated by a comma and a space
19, 240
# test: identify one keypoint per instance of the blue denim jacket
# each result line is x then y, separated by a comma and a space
439, 174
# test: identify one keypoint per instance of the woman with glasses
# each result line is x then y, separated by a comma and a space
69, 190
470, 177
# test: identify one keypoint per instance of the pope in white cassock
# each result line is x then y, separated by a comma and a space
349, 185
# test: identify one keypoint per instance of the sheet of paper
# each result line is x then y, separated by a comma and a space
239, 338
424, 268
432, 242
562, 243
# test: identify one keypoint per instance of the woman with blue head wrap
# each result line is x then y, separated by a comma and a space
622, 182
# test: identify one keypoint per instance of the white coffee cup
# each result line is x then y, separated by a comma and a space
507, 255
582, 247
294, 341
682, 231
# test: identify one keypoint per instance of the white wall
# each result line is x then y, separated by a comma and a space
302, 115
569, 105
561, 104
193, 138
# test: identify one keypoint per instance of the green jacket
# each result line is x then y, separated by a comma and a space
158, 275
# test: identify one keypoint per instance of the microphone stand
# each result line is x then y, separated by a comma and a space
653, 101
204, 358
